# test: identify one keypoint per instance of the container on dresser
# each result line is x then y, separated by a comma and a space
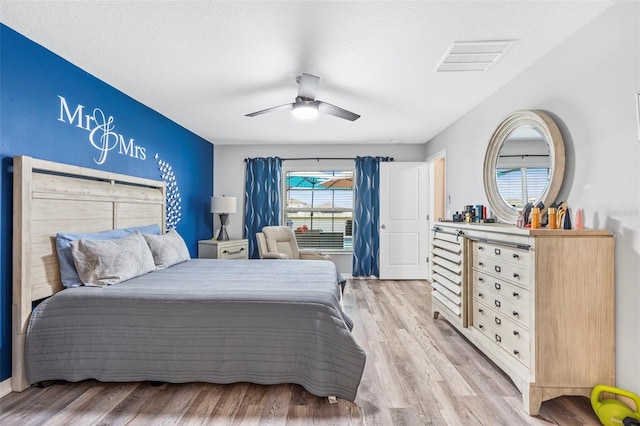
541, 306
230, 249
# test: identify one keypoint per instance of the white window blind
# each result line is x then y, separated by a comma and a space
319, 208
519, 186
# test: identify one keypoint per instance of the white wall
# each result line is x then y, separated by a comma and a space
229, 169
588, 84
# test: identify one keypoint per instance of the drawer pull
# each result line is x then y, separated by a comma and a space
497, 303
480, 279
481, 296
481, 311
516, 256
516, 276
516, 295
498, 269
498, 338
516, 333
233, 252
498, 321
497, 286
480, 264
480, 326
516, 352
516, 314
497, 252
481, 248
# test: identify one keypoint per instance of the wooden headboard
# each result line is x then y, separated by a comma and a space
52, 197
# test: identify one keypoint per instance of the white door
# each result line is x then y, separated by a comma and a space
403, 221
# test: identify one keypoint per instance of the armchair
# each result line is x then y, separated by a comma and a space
279, 242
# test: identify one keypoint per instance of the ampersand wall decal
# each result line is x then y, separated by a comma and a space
108, 139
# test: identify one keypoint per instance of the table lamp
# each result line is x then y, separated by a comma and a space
223, 206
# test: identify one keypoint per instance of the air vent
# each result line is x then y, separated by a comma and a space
473, 55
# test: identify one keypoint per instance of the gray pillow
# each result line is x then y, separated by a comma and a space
167, 249
107, 262
68, 273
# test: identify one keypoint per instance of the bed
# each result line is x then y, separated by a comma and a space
202, 320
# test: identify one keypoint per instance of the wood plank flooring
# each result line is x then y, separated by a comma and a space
419, 371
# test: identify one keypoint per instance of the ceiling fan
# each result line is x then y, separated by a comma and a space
306, 106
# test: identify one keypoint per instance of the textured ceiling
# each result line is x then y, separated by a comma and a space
205, 64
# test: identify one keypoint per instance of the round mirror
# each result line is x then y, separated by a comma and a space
524, 164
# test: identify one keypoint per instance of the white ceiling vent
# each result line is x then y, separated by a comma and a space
473, 55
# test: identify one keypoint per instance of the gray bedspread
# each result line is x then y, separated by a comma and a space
218, 321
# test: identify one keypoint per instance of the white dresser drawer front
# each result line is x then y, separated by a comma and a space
505, 271
231, 249
503, 332
511, 300
235, 251
515, 256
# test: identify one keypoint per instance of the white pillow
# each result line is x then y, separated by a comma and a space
107, 262
167, 249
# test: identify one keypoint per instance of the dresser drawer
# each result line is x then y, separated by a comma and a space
509, 336
233, 251
507, 298
506, 271
515, 256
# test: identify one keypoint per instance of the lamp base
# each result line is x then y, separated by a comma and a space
222, 235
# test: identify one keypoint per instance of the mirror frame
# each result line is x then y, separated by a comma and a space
544, 124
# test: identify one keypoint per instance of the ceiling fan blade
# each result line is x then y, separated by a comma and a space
285, 106
327, 108
308, 86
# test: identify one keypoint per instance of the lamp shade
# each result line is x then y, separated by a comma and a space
222, 204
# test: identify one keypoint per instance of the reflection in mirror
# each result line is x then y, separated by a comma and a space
522, 168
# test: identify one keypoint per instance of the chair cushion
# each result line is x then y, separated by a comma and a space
281, 239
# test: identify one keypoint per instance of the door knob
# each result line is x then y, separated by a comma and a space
383, 227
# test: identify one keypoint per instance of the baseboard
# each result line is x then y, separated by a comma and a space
5, 387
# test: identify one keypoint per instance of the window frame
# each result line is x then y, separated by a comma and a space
315, 166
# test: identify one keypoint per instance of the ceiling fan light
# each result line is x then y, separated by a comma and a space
305, 112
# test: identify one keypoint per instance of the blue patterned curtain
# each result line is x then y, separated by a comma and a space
366, 217
263, 199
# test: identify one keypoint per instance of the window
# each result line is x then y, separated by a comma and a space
319, 208
519, 186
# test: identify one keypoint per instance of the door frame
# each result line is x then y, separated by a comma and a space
434, 181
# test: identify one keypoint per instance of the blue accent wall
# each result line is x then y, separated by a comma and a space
115, 133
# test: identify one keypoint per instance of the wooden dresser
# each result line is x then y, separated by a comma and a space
539, 303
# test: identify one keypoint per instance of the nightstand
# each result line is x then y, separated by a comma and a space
231, 249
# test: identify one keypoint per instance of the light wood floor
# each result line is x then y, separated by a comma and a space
419, 371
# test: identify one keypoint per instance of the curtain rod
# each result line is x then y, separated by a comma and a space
324, 158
